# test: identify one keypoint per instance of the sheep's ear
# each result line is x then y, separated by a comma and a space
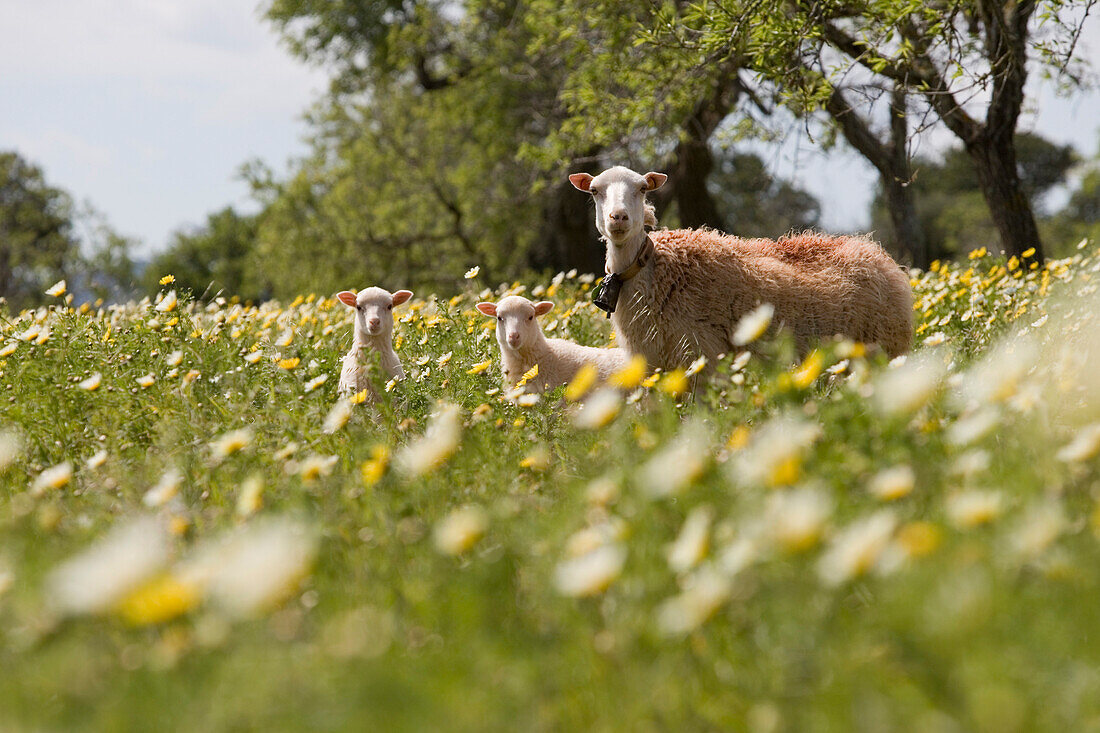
489, 309
348, 298
401, 296
543, 307
581, 181
654, 180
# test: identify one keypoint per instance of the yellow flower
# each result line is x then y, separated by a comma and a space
810, 369
919, 538
528, 375
630, 375
375, 467
288, 363
159, 600
167, 279
582, 382
146, 381
537, 460
57, 289
480, 367
674, 384
92, 383
9, 349
168, 302
359, 397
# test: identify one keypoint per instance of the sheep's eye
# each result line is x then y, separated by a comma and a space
499, 318
389, 307
530, 318
643, 189
359, 308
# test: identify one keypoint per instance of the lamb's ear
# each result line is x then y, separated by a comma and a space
401, 296
543, 307
489, 309
581, 181
654, 180
348, 298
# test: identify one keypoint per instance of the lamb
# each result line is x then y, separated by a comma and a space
373, 332
523, 345
674, 295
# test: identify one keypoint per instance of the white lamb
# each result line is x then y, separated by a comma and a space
373, 332
677, 294
523, 345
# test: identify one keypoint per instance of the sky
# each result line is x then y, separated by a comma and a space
147, 110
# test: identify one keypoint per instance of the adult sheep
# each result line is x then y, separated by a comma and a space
677, 294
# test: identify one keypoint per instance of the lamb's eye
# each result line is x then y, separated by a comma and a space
530, 318
643, 189
499, 318
389, 307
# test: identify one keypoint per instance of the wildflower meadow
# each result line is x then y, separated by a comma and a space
197, 532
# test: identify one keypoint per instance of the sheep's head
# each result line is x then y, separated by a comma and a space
517, 328
619, 193
373, 309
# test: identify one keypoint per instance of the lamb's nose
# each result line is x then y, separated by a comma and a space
374, 323
618, 216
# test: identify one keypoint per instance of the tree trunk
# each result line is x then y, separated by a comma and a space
694, 163
568, 236
891, 160
908, 230
995, 164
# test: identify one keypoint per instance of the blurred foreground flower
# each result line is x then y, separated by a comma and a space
460, 530
705, 593
908, 386
96, 579
1084, 445
692, 543
892, 483
92, 383
229, 443
973, 508
337, 417
10, 447
753, 324
582, 381
679, 463
795, 518
592, 572
439, 441
857, 548
773, 456
53, 477
254, 568
166, 488
598, 410
631, 375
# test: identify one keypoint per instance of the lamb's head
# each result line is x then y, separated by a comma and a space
517, 328
373, 310
619, 193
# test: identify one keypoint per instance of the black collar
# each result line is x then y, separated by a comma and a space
607, 295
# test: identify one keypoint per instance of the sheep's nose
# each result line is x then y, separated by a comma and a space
618, 216
374, 323
513, 338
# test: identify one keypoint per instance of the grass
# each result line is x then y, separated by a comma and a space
915, 546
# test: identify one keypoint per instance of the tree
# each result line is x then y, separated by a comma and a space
209, 259
753, 203
37, 246
950, 207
